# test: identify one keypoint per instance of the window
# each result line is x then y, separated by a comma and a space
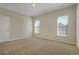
37, 25
62, 26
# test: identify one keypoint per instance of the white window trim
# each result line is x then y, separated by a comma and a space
67, 29
36, 28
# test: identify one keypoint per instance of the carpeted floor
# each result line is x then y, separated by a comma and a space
36, 46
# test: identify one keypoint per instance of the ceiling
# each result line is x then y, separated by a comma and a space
39, 9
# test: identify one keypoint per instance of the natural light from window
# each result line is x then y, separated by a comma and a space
37, 25
62, 26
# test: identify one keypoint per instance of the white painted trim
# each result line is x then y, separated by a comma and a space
18, 38
30, 35
59, 41
54, 39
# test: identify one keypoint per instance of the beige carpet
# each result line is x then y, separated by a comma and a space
36, 46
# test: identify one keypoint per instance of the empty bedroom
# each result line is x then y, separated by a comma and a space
39, 29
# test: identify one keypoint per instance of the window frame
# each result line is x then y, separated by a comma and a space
35, 28
59, 34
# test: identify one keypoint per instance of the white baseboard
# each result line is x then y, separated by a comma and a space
18, 38
21, 37
54, 39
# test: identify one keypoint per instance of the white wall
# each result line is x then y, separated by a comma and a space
21, 28
48, 25
20, 25
4, 28
77, 27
